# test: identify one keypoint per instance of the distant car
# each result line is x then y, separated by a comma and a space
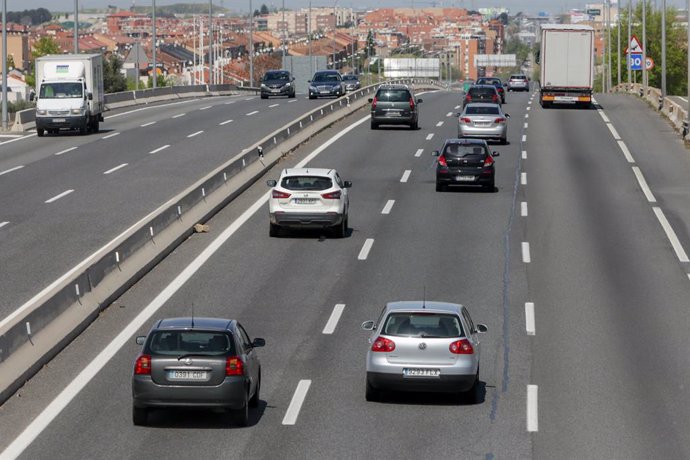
351, 82
208, 363
482, 93
394, 105
326, 83
423, 346
309, 198
495, 82
277, 83
518, 82
465, 162
483, 120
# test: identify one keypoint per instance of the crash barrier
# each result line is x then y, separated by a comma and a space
675, 113
32, 335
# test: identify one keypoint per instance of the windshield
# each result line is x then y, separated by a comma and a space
180, 343
436, 325
326, 77
276, 76
61, 90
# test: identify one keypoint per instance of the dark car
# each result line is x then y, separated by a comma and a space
205, 363
465, 162
277, 83
481, 93
351, 82
326, 83
495, 82
394, 105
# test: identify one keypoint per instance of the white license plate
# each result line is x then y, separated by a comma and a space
275, 90
566, 98
325, 91
483, 124
58, 120
393, 114
464, 178
414, 372
305, 200
187, 375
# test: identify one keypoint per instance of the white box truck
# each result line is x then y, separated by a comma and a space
567, 64
69, 91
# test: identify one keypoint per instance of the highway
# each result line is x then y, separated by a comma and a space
575, 265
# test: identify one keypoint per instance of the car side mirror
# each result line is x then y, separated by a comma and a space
308, 81
482, 328
347, 184
435, 153
368, 325
32, 97
89, 96
495, 154
258, 342
507, 115
141, 339
419, 101
271, 183
370, 100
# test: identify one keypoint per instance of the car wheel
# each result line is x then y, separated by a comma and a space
240, 417
39, 132
471, 396
340, 230
374, 125
504, 141
371, 394
440, 187
414, 125
95, 126
274, 230
263, 96
254, 402
491, 187
292, 96
140, 415
312, 97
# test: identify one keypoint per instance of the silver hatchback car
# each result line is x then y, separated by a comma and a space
423, 346
483, 120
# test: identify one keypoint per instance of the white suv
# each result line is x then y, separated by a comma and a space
309, 198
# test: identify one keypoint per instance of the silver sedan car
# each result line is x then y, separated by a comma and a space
483, 120
423, 346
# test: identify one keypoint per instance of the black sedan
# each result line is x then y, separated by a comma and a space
465, 162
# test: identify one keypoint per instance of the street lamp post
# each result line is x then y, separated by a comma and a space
251, 45
76, 26
687, 121
618, 47
644, 48
153, 46
663, 49
311, 62
608, 41
627, 61
335, 27
4, 65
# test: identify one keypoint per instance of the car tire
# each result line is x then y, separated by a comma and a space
312, 97
254, 401
440, 187
504, 140
491, 187
263, 96
240, 417
371, 394
471, 396
414, 125
140, 416
292, 96
374, 125
340, 230
274, 230
39, 132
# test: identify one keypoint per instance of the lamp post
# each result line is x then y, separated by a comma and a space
153, 43
644, 48
4, 65
628, 63
76, 26
335, 27
211, 76
608, 41
618, 47
663, 49
251, 45
283, 31
311, 61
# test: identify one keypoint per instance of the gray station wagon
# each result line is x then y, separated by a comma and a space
394, 105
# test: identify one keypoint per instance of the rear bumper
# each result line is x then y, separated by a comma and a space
230, 394
484, 133
401, 120
443, 383
453, 178
306, 220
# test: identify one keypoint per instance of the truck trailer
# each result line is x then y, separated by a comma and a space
69, 91
567, 65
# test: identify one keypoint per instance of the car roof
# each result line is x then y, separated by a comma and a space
428, 306
277, 70
200, 323
307, 172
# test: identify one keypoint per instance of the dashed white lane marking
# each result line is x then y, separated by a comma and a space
530, 323
529, 107
364, 252
673, 238
457, 107
523, 209
333, 320
65, 151
387, 208
449, 114
250, 99
10, 136
626, 152
523, 178
524, 154
429, 136
524, 138
419, 152
206, 108
273, 105
195, 134
222, 123
532, 408
603, 116
159, 149
526, 125
148, 124
57, 197
110, 135
2, 224
689, 276
230, 102
406, 175
527, 115
110, 171
613, 131
643, 185
179, 115
296, 403
440, 123
290, 102
526, 257
7, 171
252, 113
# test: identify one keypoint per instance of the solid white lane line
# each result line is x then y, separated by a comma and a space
457, 107
110, 135
2, 224
364, 252
387, 208
335, 317
603, 116
429, 136
689, 276
449, 114
65, 151
252, 113
526, 125
148, 124
18, 139
55, 198
296, 403
419, 152
273, 105
11, 169
230, 102
523, 178
10, 136
526, 257
613, 131
643, 185
206, 108
524, 137
440, 123
626, 152
524, 154
195, 134
179, 115
159, 149
523, 209
532, 408
224, 122
530, 325
406, 175
671, 235
115, 168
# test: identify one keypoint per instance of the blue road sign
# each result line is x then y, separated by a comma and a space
635, 61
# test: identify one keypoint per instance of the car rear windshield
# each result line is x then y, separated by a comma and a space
464, 151
429, 325
393, 95
482, 91
489, 81
277, 76
306, 183
179, 343
518, 77
482, 110
326, 77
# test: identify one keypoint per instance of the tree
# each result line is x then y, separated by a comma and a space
43, 47
371, 46
264, 9
113, 80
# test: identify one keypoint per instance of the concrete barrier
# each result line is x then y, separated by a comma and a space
675, 113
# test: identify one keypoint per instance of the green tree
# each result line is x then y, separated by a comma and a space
43, 47
113, 80
264, 9
160, 82
371, 46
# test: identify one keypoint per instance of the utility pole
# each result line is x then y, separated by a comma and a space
211, 61
663, 49
311, 61
603, 53
335, 28
687, 121
4, 66
251, 45
618, 47
609, 80
644, 48
76, 26
283, 32
153, 43
194, 81
627, 62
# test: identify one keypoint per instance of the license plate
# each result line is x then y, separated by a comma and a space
464, 178
566, 98
187, 375
393, 114
275, 90
305, 200
58, 120
414, 372
483, 124
325, 91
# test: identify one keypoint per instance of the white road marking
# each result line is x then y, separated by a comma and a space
10, 136
626, 152
603, 116
387, 208
250, 98
364, 253
335, 317
179, 115
429, 136
526, 257
643, 184
159, 149
406, 175
526, 125
529, 103
18, 139
523, 209
55, 198
2, 224
7, 171
115, 168
252, 113
148, 124
224, 122
206, 108
457, 107
65, 151
440, 123
671, 235
273, 105
613, 131
530, 323
449, 114
230, 102
110, 135
296, 403
529, 108
290, 102
523, 178
419, 152
524, 154
532, 408
527, 115
195, 134
524, 138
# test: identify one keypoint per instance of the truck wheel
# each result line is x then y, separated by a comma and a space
39, 132
95, 125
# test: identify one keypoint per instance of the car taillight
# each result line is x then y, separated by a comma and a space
332, 195
461, 347
465, 120
373, 103
499, 120
442, 161
411, 103
234, 366
468, 98
494, 98
279, 194
143, 365
488, 161
383, 344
